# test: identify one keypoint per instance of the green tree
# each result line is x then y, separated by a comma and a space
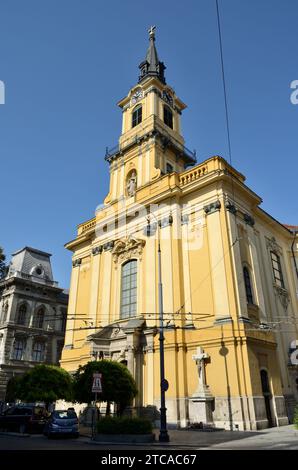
45, 383
118, 385
2, 263
12, 389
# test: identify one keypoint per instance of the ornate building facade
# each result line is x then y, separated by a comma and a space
32, 315
227, 267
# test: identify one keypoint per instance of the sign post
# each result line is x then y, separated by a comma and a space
96, 388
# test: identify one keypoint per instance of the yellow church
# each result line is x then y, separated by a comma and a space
228, 272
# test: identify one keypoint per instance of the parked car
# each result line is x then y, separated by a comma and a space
24, 418
62, 422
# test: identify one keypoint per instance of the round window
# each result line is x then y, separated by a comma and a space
38, 271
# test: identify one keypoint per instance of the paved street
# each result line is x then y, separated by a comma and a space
285, 437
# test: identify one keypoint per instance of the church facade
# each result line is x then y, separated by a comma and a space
228, 271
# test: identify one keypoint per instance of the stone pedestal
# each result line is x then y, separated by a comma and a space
200, 410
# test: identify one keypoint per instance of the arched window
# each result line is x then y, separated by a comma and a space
129, 289
39, 318
137, 116
277, 272
22, 314
168, 116
247, 283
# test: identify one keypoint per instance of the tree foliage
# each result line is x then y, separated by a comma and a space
12, 389
45, 383
3, 268
118, 385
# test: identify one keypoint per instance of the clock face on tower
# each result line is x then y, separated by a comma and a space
138, 94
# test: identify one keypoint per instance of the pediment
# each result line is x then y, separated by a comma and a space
107, 333
127, 248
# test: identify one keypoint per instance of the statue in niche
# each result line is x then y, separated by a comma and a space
131, 184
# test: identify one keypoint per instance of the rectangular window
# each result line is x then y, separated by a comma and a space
277, 272
19, 348
38, 351
168, 117
137, 116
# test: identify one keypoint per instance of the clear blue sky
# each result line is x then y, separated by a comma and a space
66, 63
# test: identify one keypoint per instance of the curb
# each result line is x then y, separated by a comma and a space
14, 434
165, 445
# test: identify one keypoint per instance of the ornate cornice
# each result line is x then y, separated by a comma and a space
272, 245
127, 248
283, 296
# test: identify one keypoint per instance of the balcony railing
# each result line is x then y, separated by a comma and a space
190, 155
193, 174
110, 152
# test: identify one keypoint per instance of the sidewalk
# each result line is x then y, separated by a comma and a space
273, 438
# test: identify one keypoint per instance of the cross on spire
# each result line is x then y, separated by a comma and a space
151, 31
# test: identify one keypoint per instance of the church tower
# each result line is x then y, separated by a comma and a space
151, 143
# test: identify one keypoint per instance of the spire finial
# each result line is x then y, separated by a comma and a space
151, 32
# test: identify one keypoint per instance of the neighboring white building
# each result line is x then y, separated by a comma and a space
32, 315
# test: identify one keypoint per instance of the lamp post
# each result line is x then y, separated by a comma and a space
164, 385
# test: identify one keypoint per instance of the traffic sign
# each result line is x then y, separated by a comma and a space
97, 386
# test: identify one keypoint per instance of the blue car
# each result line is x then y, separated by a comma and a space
62, 423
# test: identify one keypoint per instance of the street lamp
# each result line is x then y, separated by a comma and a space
164, 385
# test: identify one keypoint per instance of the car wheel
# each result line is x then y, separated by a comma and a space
22, 428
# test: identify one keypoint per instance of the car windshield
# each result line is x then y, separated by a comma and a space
64, 414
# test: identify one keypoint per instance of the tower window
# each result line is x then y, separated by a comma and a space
137, 116
168, 116
247, 283
277, 272
129, 289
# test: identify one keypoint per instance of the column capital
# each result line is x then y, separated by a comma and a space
77, 262
212, 207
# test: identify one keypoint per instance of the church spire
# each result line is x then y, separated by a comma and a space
151, 66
